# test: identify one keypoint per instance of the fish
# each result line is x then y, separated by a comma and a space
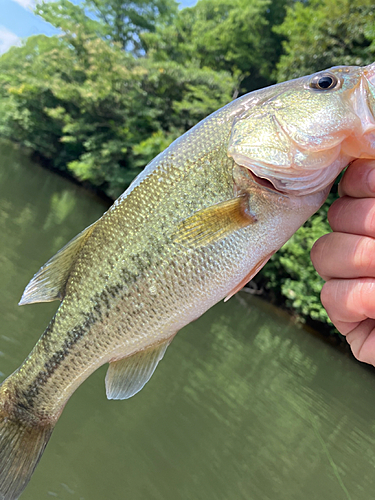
192, 229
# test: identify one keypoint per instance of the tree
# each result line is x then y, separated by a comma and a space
230, 35
120, 21
96, 110
24, 96
324, 33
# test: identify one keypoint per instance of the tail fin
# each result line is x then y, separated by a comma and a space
22, 442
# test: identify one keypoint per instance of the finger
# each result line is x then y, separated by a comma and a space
349, 300
318, 255
353, 215
359, 180
341, 255
362, 341
346, 327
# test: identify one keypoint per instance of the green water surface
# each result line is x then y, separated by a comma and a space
244, 405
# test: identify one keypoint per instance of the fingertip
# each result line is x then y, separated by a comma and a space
362, 341
358, 180
315, 251
345, 328
317, 255
326, 294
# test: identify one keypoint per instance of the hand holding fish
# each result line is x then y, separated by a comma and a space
345, 259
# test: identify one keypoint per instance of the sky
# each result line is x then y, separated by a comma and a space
17, 21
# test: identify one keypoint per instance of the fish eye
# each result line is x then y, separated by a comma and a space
325, 81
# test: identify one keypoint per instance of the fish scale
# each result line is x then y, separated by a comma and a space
201, 219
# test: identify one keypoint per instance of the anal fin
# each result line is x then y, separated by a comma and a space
128, 376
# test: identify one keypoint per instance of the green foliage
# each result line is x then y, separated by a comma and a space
230, 35
69, 16
324, 33
117, 21
24, 96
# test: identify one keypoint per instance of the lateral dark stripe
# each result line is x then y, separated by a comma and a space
104, 302
27, 397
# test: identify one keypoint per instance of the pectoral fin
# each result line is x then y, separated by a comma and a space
214, 223
49, 282
128, 376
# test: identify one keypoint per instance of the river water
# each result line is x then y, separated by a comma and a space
244, 405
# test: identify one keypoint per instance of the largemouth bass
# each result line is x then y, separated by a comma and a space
194, 227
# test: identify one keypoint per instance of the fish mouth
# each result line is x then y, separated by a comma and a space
296, 182
264, 182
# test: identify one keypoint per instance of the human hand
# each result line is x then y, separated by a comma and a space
345, 259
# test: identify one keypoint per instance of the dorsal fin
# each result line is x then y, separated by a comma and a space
49, 282
128, 376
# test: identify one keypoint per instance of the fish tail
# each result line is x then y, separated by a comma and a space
23, 438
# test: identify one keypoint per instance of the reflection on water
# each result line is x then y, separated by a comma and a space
243, 406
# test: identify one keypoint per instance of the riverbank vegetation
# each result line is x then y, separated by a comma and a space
122, 80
